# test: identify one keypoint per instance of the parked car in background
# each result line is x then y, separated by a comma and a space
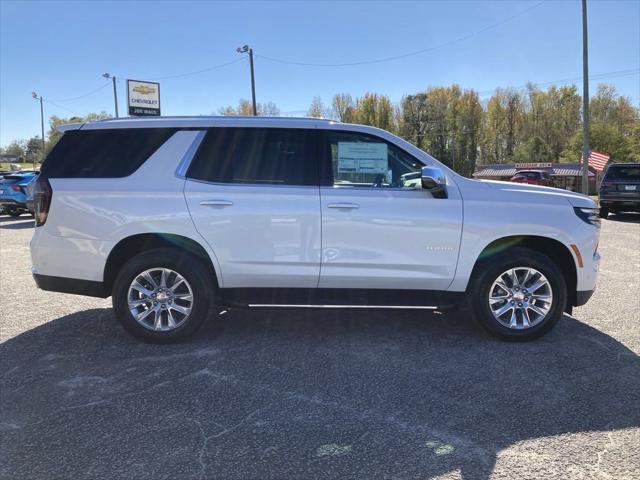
620, 189
30, 190
172, 216
13, 193
533, 177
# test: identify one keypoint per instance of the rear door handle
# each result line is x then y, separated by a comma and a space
344, 206
216, 203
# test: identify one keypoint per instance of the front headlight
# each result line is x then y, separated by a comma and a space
588, 215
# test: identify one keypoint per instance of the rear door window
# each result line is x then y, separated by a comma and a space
109, 153
266, 156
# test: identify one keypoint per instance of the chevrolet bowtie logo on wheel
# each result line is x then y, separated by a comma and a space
144, 90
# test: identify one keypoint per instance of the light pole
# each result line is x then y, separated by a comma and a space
39, 97
247, 49
115, 91
585, 102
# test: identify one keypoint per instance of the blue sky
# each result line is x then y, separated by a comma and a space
60, 50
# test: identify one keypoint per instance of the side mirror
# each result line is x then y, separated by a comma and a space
433, 179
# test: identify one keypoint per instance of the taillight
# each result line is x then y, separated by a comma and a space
42, 199
16, 188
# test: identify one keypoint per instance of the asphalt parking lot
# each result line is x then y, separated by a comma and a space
262, 394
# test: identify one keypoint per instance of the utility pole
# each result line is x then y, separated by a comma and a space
247, 49
585, 102
39, 97
115, 91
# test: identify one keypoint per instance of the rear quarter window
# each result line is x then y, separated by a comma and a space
111, 153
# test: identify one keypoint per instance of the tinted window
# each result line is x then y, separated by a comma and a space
103, 153
361, 160
272, 156
631, 173
528, 175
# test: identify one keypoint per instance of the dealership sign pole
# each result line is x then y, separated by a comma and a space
143, 98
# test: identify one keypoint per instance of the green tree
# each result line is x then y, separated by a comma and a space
316, 109
533, 150
467, 131
33, 150
503, 126
343, 108
245, 108
17, 148
375, 110
413, 119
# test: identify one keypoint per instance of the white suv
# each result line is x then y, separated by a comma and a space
173, 216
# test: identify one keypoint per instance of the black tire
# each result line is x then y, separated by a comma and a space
488, 271
604, 212
194, 271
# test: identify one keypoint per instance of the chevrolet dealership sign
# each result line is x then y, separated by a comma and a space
143, 98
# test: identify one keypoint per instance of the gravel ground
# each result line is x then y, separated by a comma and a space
313, 394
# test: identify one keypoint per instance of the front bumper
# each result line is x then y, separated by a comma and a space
583, 297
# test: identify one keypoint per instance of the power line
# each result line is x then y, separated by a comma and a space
196, 72
597, 76
83, 95
409, 54
60, 106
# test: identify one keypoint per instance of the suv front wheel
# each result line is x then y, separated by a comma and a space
162, 295
518, 295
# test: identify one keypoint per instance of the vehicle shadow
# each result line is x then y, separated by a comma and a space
625, 217
19, 223
300, 394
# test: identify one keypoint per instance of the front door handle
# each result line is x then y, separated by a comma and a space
344, 206
216, 203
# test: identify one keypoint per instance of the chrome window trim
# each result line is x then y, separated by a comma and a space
377, 189
262, 185
185, 162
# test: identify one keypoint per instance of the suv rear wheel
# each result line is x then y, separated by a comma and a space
162, 295
518, 295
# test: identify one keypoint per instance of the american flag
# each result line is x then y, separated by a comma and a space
598, 160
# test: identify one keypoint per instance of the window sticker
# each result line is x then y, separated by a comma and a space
362, 157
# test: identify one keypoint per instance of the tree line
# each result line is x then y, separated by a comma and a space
514, 125
456, 127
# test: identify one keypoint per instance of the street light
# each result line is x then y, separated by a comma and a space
247, 49
39, 97
115, 92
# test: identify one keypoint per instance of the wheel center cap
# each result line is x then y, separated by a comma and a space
162, 296
518, 296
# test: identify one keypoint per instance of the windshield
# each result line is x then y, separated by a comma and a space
631, 173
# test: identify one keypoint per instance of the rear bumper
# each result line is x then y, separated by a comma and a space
10, 202
620, 201
70, 285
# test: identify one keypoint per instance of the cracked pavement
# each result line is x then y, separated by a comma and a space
272, 393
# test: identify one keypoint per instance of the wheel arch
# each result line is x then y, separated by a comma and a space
132, 245
558, 252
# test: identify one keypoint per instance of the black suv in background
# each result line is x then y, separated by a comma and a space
620, 189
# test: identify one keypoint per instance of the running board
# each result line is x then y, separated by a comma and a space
338, 298
386, 307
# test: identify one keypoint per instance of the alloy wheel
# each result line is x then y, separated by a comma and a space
160, 299
520, 298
